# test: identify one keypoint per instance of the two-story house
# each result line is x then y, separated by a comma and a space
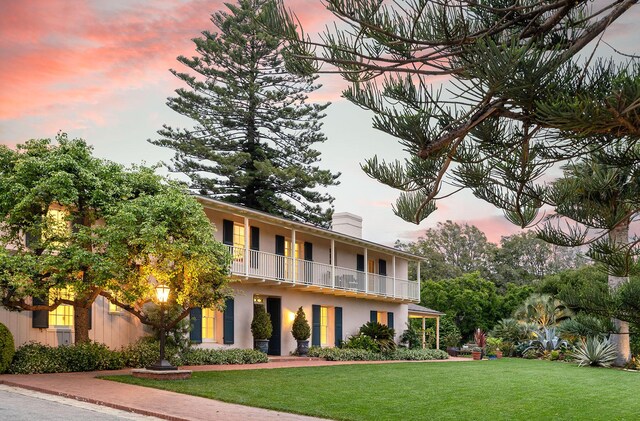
341, 281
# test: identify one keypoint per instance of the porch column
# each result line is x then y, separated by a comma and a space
424, 335
333, 264
292, 261
246, 246
394, 276
366, 270
438, 332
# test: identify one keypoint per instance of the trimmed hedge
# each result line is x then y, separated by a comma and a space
33, 358
7, 348
342, 354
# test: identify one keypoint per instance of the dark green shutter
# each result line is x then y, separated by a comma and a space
90, 315
195, 315
360, 262
390, 319
227, 232
315, 325
382, 267
254, 244
373, 316
308, 251
227, 321
39, 318
280, 245
337, 315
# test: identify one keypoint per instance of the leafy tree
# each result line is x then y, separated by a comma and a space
471, 300
544, 310
252, 143
94, 228
520, 99
602, 198
452, 250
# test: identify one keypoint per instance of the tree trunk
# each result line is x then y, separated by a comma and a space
620, 235
81, 324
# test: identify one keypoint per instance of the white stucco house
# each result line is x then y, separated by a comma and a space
340, 279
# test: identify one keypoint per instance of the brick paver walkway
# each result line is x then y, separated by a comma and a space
163, 404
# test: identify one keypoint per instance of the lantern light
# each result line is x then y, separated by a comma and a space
162, 292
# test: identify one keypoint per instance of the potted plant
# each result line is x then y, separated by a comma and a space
261, 329
493, 347
481, 340
476, 353
301, 332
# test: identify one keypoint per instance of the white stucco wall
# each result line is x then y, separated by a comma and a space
355, 312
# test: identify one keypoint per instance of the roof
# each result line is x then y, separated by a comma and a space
322, 232
417, 309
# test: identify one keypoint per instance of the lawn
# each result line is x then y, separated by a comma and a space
507, 389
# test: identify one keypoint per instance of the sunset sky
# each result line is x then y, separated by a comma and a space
98, 70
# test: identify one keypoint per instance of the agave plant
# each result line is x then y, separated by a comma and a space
546, 340
595, 352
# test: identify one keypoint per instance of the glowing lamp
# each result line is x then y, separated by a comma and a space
162, 292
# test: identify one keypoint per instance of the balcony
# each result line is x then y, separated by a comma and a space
253, 264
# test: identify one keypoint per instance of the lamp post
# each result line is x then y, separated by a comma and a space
162, 293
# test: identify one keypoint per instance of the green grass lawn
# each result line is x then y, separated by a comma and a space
507, 389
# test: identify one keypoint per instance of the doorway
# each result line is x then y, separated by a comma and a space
274, 308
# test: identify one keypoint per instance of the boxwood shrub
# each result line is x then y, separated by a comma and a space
7, 348
33, 358
198, 356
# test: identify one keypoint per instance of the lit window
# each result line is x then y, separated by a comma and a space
287, 249
208, 324
382, 317
238, 242
324, 325
114, 308
371, 266
56, 225
62, 316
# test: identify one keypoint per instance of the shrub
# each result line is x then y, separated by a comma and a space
595, 352
363, 342
380, 333
89, 356
146, 351
301, 329
197, 356
7, 348
261, 327
33, 358
342, 354
411, 337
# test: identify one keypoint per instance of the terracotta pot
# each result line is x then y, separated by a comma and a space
477, 355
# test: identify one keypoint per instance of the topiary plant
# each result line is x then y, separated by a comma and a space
261, 327
301, 329
7, 348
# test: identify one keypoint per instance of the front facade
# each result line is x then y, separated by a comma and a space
340, 280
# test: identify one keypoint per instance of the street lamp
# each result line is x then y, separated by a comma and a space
162, 293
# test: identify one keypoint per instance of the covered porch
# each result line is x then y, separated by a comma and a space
419, 312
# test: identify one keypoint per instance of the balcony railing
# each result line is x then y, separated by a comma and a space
259, 264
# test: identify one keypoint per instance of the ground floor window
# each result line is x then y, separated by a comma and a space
62, 316
326, 326
209, 324
382, 318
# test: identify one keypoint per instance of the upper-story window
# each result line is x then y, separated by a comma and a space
297, 249
239, 241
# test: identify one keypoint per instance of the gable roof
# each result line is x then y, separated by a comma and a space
321, 232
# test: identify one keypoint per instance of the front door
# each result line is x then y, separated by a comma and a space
275, 311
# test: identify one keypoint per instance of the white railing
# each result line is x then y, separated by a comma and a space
295, 271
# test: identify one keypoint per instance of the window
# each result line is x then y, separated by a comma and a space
371, 266
382, 317
62, 316
56, 225
324, 326
208, 325
238, 242
287, 249
114, 308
